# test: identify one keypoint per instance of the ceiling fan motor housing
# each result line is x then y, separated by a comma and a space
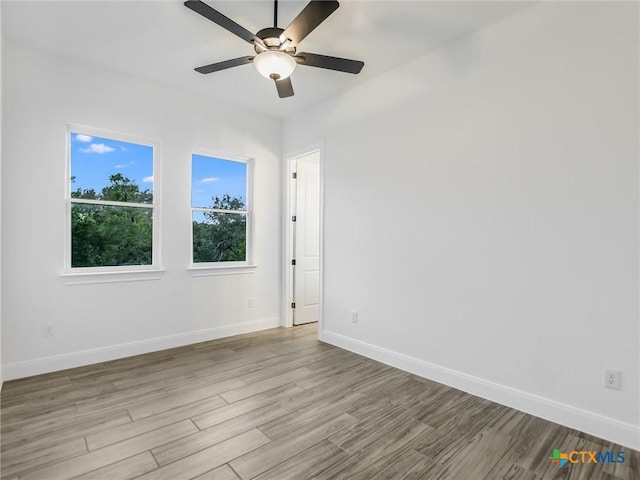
271, 38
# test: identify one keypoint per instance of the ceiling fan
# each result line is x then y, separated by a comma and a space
276, 56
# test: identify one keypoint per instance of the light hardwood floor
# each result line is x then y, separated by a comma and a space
274, 405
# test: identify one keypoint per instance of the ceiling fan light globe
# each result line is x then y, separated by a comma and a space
274, 64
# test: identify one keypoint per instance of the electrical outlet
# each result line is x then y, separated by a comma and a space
250, 303
612, 378
47, 330
354, 317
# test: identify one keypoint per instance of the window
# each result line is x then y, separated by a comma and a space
112, 201
220, 209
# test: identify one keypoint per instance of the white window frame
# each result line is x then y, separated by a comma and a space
113, 273
224, 268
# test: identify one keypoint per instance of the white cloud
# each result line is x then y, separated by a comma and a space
97, 148
148, 179
123, 165
209, 180
83, 138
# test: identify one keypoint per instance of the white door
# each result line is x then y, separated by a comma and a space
306, 232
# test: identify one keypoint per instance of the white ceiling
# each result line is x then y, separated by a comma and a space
164, 41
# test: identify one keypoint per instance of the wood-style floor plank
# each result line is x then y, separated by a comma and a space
241, 407
128, 430
13, 463
221, 473
88, 462
266, 384
270, 455
186, 446
306, 465
182, 397
381, 451
274, 405
478, 456
409, 464
126, 469
24, 440
210, 458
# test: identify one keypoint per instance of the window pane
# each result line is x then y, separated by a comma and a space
107, 169
104, 235
219, 237
217, 183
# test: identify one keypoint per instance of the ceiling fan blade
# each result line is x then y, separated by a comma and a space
331, 63
225, 22
308, 19
234, 62
285, 89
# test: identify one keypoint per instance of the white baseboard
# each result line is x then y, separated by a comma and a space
610, 429
87, 357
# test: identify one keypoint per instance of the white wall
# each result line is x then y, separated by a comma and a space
481, 214
93, 322
1, 375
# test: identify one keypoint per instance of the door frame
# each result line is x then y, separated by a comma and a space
288, 250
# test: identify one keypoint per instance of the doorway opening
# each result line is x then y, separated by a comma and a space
303, 282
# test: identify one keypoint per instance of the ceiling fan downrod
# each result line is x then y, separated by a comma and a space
275, 13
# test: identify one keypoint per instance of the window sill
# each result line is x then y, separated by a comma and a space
84, 278
213, 270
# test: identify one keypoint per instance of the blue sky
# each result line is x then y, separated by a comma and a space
213, 176
94, 159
